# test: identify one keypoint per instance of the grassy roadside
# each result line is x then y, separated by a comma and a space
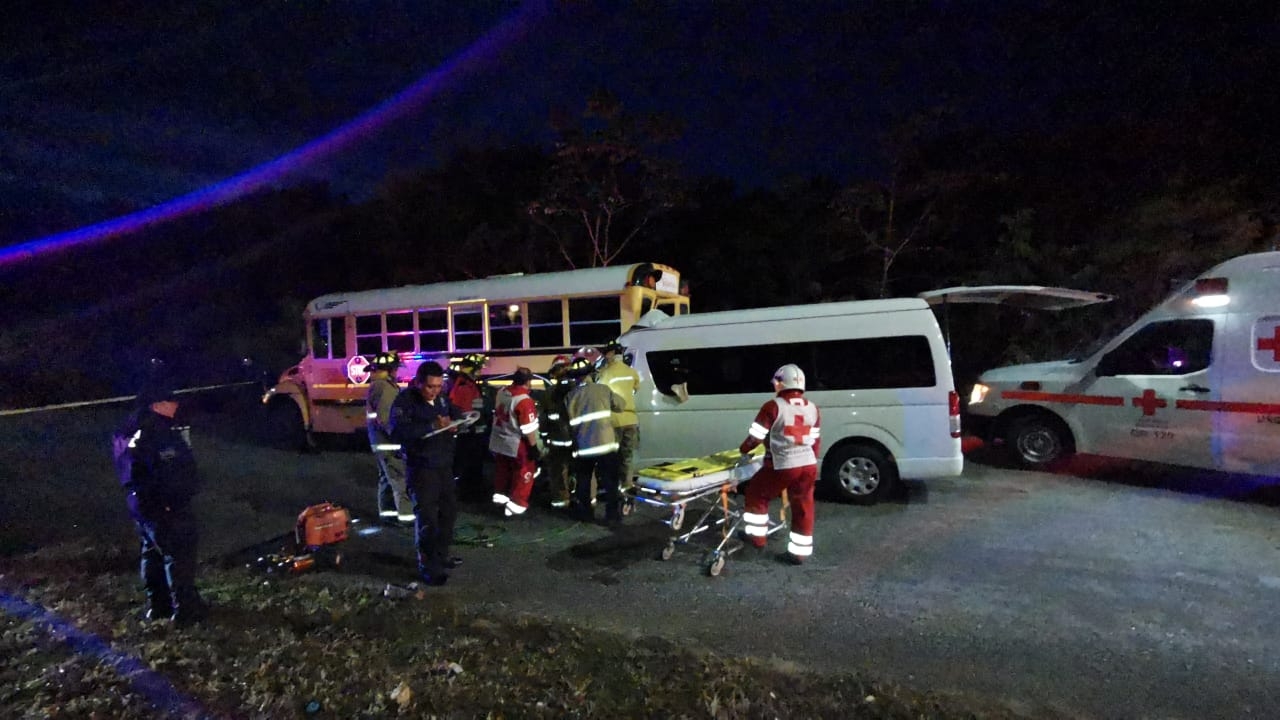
302, 647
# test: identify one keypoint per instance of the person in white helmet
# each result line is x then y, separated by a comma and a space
789, 423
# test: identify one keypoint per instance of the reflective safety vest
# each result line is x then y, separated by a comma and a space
377, 413
514, 415
792, 435
591, 407
623, 380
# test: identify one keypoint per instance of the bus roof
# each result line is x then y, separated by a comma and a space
495, 288
656, 319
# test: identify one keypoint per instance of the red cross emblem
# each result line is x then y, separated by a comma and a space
797, 430
1149, 402
1272, 343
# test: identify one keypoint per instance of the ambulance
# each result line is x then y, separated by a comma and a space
1194, 382
877, 369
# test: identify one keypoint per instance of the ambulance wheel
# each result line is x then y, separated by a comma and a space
860, 473
668, 551
716, 564
1038, 441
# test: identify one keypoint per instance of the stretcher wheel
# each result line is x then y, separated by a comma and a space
715, 565
677, 517
628, 505
668, 551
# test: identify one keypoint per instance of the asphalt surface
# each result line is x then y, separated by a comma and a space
1119, 595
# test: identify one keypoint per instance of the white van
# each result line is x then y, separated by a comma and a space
1194, 382
877, 369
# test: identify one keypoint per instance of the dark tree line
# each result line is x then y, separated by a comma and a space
1127, 206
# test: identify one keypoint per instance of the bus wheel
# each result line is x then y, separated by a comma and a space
860, 473
283, 428
1037, 441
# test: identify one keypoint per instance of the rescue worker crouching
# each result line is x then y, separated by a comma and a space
515, 444
466, 392
790, 424
624, 381
155, 465
394, 505
420, 423
557, 436
591, 406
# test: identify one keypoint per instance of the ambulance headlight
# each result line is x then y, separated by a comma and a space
979, 393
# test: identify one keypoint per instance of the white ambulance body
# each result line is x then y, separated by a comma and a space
878, 371
1194, 382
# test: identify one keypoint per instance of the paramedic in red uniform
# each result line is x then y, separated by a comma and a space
466, 393
515, 444
789, 424
420, 420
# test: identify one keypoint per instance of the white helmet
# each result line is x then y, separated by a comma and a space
790, 377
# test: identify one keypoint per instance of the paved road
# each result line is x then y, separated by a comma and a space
1046, 592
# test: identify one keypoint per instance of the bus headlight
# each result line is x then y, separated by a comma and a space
979, 393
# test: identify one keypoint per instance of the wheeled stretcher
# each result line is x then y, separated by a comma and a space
705, 490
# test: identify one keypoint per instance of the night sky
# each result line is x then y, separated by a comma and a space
106, 108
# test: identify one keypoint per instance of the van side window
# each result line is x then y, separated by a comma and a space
854, 364
1169, 347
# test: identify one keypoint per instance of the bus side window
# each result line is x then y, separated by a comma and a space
433, 330
368, 334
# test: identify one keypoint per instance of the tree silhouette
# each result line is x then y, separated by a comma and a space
604, 188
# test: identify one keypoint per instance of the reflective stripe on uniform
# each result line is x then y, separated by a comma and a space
757, 431
370, 416
407, 518
561, 443
757, 524
598, 415
514, 509
386, 447
529, 428
387, 513
499, 499
553, 416
597, 450
800, 545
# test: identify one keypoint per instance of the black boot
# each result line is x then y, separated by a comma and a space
191, 609
158, 607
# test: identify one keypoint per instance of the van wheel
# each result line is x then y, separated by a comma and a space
860, 473
1038, 441
283, 428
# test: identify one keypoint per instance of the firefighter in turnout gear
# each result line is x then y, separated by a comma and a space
789, 423
557, 437
466, 392
153, 459
394, 505
591, 405
624, 381
420, 420
515, 444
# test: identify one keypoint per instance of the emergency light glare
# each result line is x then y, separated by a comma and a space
1211, 301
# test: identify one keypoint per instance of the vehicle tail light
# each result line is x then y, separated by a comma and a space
953, 407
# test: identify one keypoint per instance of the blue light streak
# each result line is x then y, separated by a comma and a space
478, 55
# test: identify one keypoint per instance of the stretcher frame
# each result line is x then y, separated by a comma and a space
714, 499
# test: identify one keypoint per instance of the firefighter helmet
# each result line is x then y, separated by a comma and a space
385, 361
469, 364
581, 367
790, 377
613, 346
589, 354
561, 362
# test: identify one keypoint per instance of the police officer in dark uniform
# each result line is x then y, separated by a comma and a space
420, 418
156, 467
